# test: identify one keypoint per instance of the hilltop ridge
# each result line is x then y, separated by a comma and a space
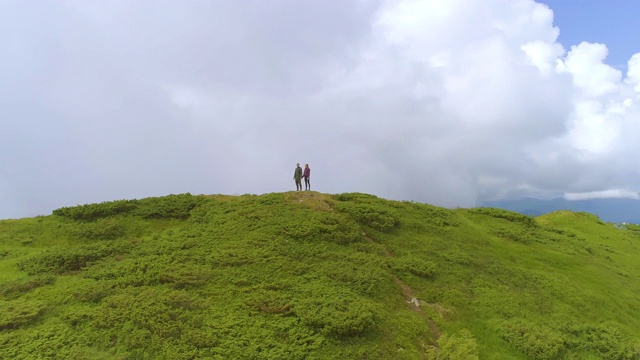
306, 275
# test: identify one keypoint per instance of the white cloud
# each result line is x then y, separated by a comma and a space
604, 194
594, 129
590, 74
446, 102
543, 55
633, 72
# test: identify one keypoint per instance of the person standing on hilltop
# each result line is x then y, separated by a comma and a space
297, 176
307, 177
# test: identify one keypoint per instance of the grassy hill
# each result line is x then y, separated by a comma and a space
304, 275
612, 209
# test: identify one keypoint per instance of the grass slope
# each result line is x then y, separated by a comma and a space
306, 275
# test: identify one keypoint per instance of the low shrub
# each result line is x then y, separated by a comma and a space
15, 313
53, 340
168, 207
94, 292
414, 265
269, 302
525, 220
355, 197
517, 235
323, 226
142, 271
606, 340
455, 347
137, 315
370, 215
182, 276
360, 273
102, 229
21, 286
60, 261
165, 207
535, 341
91, 212
337, 313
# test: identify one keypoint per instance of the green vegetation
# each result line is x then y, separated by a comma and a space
304, 275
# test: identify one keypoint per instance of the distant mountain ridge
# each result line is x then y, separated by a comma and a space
609, 210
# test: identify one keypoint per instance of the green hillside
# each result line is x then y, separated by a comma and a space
305, 275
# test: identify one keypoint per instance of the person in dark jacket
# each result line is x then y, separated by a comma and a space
307, 177
297, 176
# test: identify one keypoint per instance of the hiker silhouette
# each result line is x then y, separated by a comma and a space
297, 176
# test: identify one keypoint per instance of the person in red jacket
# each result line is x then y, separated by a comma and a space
307, 177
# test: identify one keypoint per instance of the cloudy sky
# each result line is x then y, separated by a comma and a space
448, 102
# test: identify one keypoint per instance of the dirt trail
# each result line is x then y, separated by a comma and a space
408, 293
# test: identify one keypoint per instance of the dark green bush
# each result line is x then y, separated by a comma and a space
271, 199
139, 271
269, 302
606, 340
18, 287
337, 313
525, 220
168, 207
518, 235
60, 261
370, 215
361, 273
102, 229
414, 265
91, 212
533, 340
150, 319
44, 341
455, 347
165, 207
355, 197
323, 226
14, 313
182, 276
94, 292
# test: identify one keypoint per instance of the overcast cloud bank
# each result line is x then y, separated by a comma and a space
446, 102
